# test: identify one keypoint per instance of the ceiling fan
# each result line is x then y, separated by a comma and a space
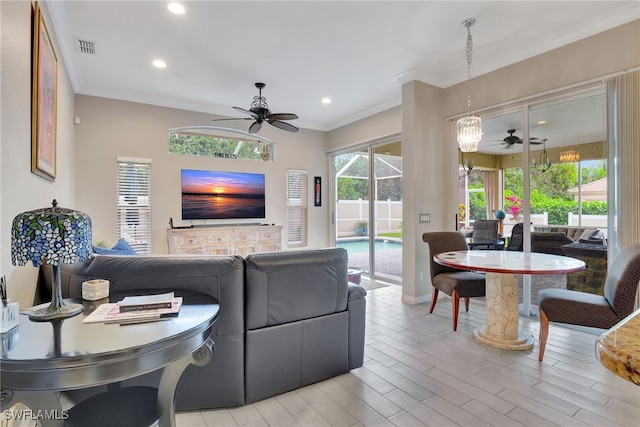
260, 112
513, 139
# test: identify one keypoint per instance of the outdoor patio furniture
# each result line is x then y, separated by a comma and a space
487, 230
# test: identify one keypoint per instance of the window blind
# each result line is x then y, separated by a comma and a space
134, 203
296, 208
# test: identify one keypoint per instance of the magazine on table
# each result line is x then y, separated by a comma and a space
111, 313
146, 302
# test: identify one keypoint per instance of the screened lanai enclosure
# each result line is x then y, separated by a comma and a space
368, 210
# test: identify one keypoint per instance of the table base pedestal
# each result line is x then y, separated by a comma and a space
523, 341
501, 330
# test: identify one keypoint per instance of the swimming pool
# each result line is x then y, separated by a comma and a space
362, 246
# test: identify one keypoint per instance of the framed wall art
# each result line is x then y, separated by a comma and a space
44, 100
317, 191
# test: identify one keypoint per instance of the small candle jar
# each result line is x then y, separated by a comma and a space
93, 290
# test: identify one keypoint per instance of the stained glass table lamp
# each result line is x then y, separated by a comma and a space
54, 236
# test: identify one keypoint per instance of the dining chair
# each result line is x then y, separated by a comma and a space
486, 229
596, 311
453, 282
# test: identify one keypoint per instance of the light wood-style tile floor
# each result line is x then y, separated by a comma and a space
418, 372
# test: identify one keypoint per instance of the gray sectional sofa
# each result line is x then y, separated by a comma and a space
287, 319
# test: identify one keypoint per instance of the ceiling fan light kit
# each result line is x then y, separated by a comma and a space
469, 128
260, 113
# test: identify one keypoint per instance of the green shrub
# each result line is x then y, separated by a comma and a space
558, 210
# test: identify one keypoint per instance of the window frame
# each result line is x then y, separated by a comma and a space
297, 208
133, 218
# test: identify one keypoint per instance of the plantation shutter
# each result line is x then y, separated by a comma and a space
134, 202
296, 208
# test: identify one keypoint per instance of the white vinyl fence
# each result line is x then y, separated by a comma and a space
349, 213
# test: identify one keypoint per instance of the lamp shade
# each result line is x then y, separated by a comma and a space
54, 236
469, 133
51, 235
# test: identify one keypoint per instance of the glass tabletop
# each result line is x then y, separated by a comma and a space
510, 262
33, 351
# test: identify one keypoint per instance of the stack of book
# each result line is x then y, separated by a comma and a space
137, 309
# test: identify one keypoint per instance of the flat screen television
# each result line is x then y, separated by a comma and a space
222, 195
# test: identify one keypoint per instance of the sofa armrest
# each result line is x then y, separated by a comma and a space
357, 308
356, 292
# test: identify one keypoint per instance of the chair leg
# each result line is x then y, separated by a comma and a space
544, 333
434, 299
455, 305
466, 303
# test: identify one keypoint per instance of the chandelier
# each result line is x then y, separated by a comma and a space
467, 166
469, 127
569, 156
544, 163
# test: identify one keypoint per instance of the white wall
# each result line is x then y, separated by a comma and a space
22, 190
109, 128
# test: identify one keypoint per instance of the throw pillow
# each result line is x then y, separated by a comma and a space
120, 248
586, 234
122, 245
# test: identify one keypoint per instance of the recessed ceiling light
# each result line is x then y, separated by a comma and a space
159, 63
542, 122
176, 8
326, 100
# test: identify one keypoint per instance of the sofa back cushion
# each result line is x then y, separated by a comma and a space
218, 276
283, 287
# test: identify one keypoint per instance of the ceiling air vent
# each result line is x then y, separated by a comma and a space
85, 46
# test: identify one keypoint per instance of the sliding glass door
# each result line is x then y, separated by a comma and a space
387, 213
549, 158
351, 224
568, 189
368, 208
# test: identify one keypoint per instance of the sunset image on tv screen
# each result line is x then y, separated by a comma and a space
222, 195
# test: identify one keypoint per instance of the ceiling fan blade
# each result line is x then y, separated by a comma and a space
235, 118
255, 127
251, 113
283, 125
283, 116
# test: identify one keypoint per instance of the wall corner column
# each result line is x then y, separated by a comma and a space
428, 183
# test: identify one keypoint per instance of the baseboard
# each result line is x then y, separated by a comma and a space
408, 299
